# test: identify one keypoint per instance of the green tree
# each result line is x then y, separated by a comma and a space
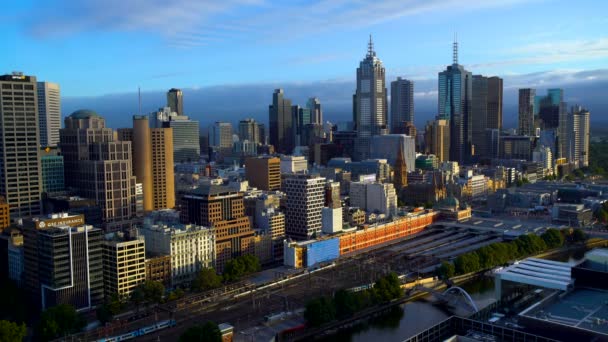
446, 270
240, 266
388, 288
206, 279
60, 320
12, 332
208, 332
467, 263
553, 238
153, 291
319, 311
346, 303
578, 235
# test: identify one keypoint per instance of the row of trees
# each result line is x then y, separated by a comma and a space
235, 269
11, 332
345, 304
500, 253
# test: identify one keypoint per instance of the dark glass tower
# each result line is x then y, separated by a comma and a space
402, 104
370, 109
281, 122
455, 97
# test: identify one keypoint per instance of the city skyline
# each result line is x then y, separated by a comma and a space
571, 55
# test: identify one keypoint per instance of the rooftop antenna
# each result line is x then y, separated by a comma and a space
455, 56
370, 47
139, 99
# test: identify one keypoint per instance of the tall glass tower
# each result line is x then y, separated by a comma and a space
455, 98
370, 108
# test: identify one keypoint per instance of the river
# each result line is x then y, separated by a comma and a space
411, 318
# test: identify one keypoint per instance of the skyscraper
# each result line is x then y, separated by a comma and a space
264, 172
402, 105
220, 137
579, 136
249, 130
369, 102
281, 130
437, 138
186, 139
526, 112
49, 113
20, 181
163, 178
553, 114
305, 199
142, 158
175, 101
455, 97
99, 167
479, 113
494, 120
316, 113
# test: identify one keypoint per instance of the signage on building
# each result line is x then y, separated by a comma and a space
72, 221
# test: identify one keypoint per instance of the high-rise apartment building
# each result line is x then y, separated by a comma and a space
282, 125
264, 172
370, 106
49, 113
186, 134
124, 265
305, 199
402, 104
221, 208
99, 167
142, 158
163, 177
63, 262
175, 101
579, 136
455, 98
526, 112
250, 130
20, 181
316, 113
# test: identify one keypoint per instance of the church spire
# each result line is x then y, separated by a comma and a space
400, 172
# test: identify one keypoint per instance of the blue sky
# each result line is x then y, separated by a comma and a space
95, 47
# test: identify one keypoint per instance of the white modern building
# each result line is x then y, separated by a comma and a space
305, 200
331, 220
379, 198
293, 164
49, 113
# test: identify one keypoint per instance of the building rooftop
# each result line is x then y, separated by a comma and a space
84, 114
583, 308
539, 272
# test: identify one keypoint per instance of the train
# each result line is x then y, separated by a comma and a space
140, 332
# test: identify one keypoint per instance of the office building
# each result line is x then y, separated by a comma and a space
294, 164
158, 268
11, 254
124, 265
99, 167
377, 168
455, 98
402, 105
20, 181
305, 199
282, 126
5, 216
516, 147
263, 172
486, 111
370, 106
553, 115
186, 132
250, 130
437, 139
49, 113
427, 162
175, 101
387, 147
191, 248
492, 143
220, 137
374, 197
63, 262
526, 112
316, 113
52, 173
221, 208
579, 135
